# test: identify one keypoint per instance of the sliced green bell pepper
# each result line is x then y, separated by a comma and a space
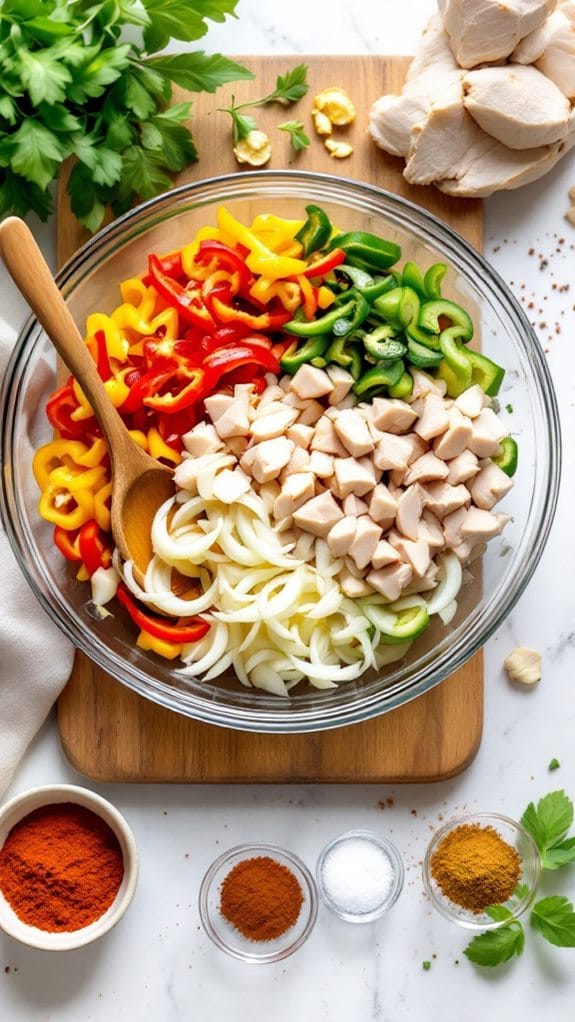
508, 456
295, 356
412, 277
421, 356
366, 250
403, 388
432, 280
456, 366
486, 373
386, 374
382, 345
316, 231
430, 313
324, 325
400, 307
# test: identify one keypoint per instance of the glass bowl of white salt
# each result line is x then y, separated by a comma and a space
360, 875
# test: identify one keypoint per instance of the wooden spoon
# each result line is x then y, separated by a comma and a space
140, 484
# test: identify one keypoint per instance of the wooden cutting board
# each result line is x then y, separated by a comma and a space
111, 734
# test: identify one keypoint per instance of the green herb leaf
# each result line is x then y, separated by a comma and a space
104, 163
87, 205
555, 919
101, 69
8, 109
426, 966
199, 71
144, 172
554, 764
498, 912
18, 197
43, 75
550, 821
298, 137
496, 946
181, 19
37, 152
291, 86
175, 141
560, 854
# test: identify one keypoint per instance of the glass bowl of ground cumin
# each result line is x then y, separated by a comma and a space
68, 867
479, 861
258, 902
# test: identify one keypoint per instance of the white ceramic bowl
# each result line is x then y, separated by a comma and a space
19, 807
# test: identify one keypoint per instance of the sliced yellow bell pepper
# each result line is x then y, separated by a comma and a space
261, 259
158, 448
168, 650
57, 454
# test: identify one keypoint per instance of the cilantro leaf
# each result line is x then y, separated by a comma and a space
550, 821
496, 946
199, 71
144, 172
555, 919
181, 19
37, 152
291, 86
43, 75
298, 137
560, 854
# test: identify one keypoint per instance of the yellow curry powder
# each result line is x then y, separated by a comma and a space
475, 867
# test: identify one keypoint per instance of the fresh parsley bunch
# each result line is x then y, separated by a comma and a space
553, 917
73, 84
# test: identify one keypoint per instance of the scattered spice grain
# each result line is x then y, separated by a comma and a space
474, 867
261, 898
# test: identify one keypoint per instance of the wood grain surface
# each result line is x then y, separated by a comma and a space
111, 734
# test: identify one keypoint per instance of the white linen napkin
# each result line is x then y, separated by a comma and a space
35, 658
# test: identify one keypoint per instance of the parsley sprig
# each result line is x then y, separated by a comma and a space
288, 89
553, 917
298, 137
73, 85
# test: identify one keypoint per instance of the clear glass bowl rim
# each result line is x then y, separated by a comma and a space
442, 903
266, 715
250, 849
399, 875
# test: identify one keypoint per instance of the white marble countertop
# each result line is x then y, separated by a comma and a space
158, 966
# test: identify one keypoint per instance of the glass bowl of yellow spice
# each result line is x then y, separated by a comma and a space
482, 870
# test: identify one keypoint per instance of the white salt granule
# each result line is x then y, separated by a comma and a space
357, 875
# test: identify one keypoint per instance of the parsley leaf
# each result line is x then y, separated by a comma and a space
560, 854
298, 137
166, 133
496, 946
181, 19
85, 199
291, 86
44, 76
199, 71
549, 822
18, 197
101, 68
555, 919
36, 153
144, 172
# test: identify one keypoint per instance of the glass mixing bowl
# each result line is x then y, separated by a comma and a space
90, 282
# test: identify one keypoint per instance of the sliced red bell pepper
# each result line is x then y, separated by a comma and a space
59, 408
67, 543
223, 336
263, 321
99, 353
95, 550
186, 300
173, 425
228, 259
246, 374
309, 294
142, 386
225, 359
185, 629
171, 266
328, 262
178, 397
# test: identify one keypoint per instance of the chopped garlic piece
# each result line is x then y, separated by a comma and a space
336, 104
255, 149
523, 665
339, 150
321, 122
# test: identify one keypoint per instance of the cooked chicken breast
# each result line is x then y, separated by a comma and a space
488, 30
517, 105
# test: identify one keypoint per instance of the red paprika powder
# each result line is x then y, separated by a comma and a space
261, 898
61, 867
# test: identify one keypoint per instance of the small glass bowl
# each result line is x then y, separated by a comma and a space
516, 836
395, 890
68, 940
226, 937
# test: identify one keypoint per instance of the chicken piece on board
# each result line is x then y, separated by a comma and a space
552, 48
482, 31
517, 105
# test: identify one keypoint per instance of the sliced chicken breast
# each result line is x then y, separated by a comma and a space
482, 31
552, 48
517, 105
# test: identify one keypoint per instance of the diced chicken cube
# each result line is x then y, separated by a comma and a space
483, 443
470, 403
441, 498
462, 468
269, 493
202, 439
298, 462
235, 420
452, 527
318, 515
353, 476
367, 537
284, 525
489, 486
416, 553
341, 536
217, 404
424, 384
304, 548
488, 417
382, 506
392, 416
230, 485
430, 531
309, 412
456, 438
321, 464
384, 554
296, 490
425, 469
418, 446
326, 439
272, 394
391, 581
427, 582
273, 423
352, 430
310, 382
353, 569
409, 511
354, 506
237, 445
392, 452
270, 457
300, 434
342, 383
434, 419
354, 587
480, 525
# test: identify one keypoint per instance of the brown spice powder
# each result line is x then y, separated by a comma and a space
261, 898
474, 867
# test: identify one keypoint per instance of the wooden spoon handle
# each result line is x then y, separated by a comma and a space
31, 274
